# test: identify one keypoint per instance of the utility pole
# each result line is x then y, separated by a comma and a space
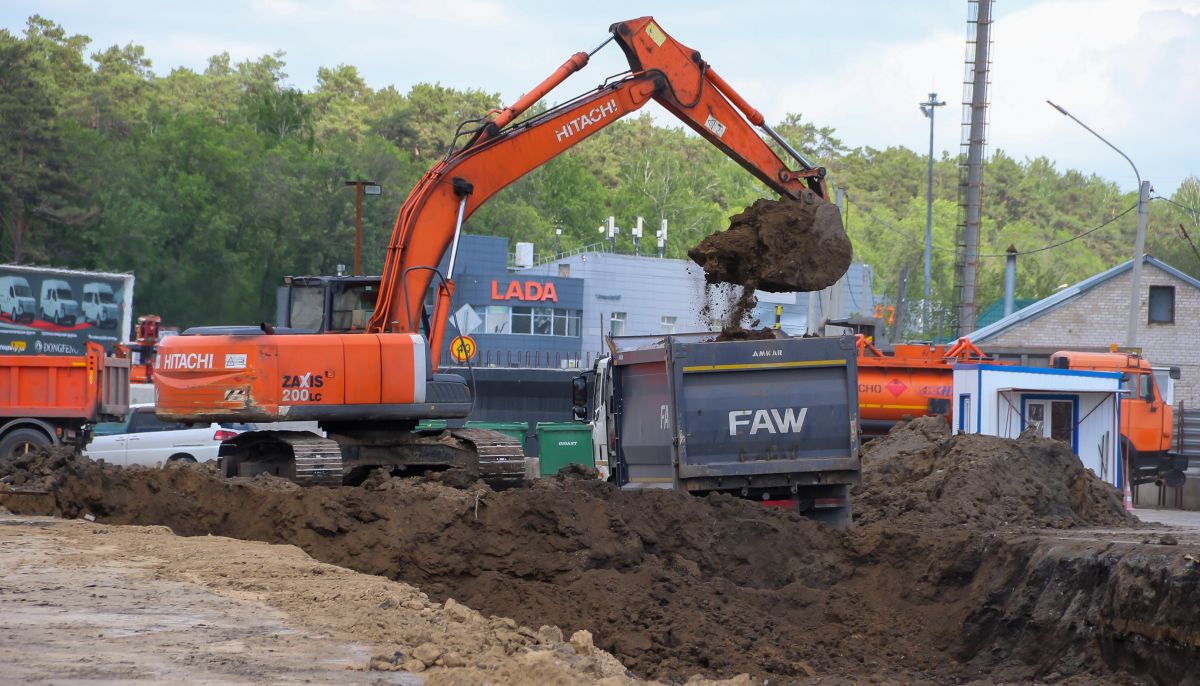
928, 109
360, 188
1139, 241
973, 212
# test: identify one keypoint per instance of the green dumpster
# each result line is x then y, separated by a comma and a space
564, 443
516, 430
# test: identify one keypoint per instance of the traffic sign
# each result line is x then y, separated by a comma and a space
462, 348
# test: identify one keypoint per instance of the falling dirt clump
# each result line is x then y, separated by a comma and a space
920, 475
779, 246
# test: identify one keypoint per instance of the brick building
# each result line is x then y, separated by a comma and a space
1094, 313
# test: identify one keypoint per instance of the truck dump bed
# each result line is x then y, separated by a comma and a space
88, 387
766, 419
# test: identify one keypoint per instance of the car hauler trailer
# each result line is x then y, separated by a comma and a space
775, 421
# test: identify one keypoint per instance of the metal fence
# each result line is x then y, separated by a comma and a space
528, 359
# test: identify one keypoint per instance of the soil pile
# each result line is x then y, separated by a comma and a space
674, 585
778, 246
921, 475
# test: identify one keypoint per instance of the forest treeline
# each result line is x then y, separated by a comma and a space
211, 186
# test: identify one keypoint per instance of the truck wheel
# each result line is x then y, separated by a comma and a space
23, 442
182, 458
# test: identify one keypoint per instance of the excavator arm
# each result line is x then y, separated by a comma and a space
500, 151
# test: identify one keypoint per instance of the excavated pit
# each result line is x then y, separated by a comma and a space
941, 582
779, 246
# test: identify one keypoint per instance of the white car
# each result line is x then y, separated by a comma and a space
144, 439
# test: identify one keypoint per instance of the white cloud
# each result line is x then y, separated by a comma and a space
1129, 68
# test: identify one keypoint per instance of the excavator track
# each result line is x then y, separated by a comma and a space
318, 461
501, 457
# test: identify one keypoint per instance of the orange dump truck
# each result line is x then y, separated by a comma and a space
917, 380
51, 399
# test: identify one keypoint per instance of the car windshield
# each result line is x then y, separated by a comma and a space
105, 297
62, 293
24, 292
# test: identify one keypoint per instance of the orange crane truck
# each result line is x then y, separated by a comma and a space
362, 363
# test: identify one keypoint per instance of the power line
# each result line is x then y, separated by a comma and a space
1189, 240
1195, 213
1076, 237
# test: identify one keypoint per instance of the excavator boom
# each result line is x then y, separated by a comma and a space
500, 152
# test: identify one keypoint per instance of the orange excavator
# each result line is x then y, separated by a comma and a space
357, 360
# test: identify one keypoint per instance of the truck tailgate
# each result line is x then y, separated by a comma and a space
749, 408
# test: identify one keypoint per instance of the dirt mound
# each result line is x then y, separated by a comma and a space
675, 585
779, 246
921, 475
739, 334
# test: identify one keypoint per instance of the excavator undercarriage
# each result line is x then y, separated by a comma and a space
347, 458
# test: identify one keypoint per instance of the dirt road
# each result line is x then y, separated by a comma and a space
86, 603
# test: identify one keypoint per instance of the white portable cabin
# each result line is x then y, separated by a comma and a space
1079, 407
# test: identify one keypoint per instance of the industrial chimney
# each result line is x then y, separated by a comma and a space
1010, 280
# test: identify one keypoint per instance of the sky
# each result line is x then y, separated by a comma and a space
1129, 69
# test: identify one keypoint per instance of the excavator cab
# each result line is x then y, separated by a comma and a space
330, 304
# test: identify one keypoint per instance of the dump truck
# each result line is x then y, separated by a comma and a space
56, 399
774, 421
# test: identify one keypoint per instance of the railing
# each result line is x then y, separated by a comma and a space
539, 260
1187, 433
529, 359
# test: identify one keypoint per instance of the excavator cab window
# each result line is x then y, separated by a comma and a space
307, 307
351, 305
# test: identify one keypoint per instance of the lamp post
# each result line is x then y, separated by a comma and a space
360, 188
927, 109
1139, 241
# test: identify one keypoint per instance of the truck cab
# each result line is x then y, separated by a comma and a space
590, 391
1146, 418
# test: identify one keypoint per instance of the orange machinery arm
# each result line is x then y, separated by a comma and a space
499, 152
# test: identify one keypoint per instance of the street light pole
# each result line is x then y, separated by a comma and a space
927, 108
1139, 241
360, 188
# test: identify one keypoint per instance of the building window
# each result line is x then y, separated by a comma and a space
495, 319
616, 324
1162, 304
522, 320
668, 324
543, 321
